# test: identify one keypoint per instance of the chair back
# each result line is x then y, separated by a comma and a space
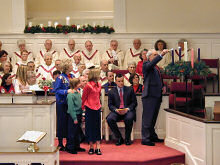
180, 87
123, 72
212, 63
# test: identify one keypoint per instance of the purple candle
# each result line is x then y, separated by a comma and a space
172, 56
198, 54
179, 53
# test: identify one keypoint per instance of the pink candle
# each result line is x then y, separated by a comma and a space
192, 58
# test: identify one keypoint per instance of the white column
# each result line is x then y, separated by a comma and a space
18, 16
120, 16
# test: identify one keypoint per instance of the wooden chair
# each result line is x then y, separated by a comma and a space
178, 97
120, 124
106, 111
167, 79
213, 64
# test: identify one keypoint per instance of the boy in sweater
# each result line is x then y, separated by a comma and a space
74, 102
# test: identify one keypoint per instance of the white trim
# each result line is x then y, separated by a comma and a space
120, 16
18, 16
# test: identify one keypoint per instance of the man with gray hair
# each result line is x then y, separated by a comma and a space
133, 53
91, 55
16, 57
46, 70
47, 49
114, 56
103, 73
151, 97
70, 51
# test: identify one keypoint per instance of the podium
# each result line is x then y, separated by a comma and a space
17, 118
46, 156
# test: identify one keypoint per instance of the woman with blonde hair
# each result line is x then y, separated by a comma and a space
62, 88
20, 83
91, 104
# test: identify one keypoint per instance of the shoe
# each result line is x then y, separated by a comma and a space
148, 143
62, 148
71, 151
91, 151
157, 140
80, 149
119, 142
98, 152
127, 142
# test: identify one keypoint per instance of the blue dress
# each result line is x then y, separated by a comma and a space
61, 90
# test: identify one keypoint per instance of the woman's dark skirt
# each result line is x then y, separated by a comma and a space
62, 120
93, 125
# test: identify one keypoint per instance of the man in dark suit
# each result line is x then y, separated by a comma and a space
110, 83
121, 97
151, 97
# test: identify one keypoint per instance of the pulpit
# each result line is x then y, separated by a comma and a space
16, 118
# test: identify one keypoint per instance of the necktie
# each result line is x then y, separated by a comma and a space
121, 100
158, 70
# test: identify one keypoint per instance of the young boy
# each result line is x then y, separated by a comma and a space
74, 102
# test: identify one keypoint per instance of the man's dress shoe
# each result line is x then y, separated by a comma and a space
157, 140
149, 143
127, 142
119, 142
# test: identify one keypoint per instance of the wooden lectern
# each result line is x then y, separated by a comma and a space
217, 110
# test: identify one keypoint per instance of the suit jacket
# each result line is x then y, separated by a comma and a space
152, 81
107, 85
130, 100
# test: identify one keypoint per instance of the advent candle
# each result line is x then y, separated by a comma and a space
192, 58
78, 26
185, 51
49, 23
55, 24
94, 24
68, 21
30, 24
198, 54
179, 53
172, 53
41, 25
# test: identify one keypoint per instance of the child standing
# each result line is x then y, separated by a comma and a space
74, 118
91, 104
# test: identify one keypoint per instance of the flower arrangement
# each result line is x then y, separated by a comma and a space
183, 68
69, 29
45, 84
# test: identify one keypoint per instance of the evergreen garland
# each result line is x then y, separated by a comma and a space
69, 29
182, 68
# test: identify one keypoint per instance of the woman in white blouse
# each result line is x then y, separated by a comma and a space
20, 83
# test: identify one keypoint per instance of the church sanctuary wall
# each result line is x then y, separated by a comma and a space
173, 16
152, 16
80, 11
209, 43
5, 16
